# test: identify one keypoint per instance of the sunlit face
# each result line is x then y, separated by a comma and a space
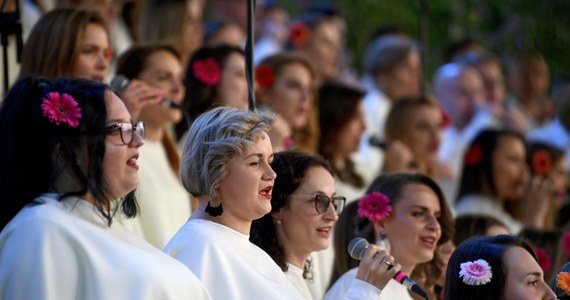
228, 35
510, 169
423, 133
94, 55
323, 49
232, 89
291, 95
403, 80
163, 71
120, 161
525, 279
493, 81
348, 136
246, 190
413, 227
192, 27
303, 230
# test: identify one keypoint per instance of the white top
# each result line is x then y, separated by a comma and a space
348, 287
65, 250
229, 265
295, 276
376, 108
483, 205
164, 204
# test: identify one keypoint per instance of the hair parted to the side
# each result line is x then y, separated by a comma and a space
291, 168
35, 152
490, 248
214, 139
57, 34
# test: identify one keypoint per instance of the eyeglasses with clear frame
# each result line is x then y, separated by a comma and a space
322, 202
126, 130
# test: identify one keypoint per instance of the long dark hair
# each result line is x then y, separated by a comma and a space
32, 160
338, 103
478, 161
291, 168
201, 97
491, 249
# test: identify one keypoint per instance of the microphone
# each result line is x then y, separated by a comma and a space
120, 83
376, 142
356, 249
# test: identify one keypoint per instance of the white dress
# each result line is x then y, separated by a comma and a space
348, 287
295, 276
483, 205
65, 250
164, 204
228, 264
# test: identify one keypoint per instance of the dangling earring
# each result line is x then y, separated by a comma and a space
214, 207
383, 241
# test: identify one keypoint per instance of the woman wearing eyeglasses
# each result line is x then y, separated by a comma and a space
68, 168
304, 208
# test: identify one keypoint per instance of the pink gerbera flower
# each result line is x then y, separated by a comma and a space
207, 70
374, 206
476, 272
61, 108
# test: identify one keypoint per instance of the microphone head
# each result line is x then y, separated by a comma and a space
119, 83
357, 247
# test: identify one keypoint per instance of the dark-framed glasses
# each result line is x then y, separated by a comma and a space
322, 203
126, 130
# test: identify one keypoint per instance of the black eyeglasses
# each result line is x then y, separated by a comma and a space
322, 203
126, 130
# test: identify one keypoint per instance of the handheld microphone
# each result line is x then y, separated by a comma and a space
120, 83
376, 142
356, 249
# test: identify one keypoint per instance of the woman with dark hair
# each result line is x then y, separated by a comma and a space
163, 202
304, 207
495, 173
62, 185
215, 76
341, 121
405, 213
495, 268
470, 225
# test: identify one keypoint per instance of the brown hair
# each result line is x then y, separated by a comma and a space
53, 44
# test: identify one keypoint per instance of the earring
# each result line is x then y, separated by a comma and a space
383, 241
214, 207
277, 222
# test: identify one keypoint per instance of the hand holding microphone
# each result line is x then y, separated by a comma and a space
375, 262
137, 94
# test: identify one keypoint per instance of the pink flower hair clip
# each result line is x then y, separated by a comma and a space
476, 273
61, 108
207, 70
374, 206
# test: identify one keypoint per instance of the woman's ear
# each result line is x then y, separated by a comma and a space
378, 227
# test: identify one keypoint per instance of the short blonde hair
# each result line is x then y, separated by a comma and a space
214, 139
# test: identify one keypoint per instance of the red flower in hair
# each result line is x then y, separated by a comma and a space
375, 207
61, 108
445, 121
473, 156
207, 71
299, 34
264, 76
541, 162
543, 259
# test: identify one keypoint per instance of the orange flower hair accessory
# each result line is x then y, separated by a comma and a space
375, 207
541, 162
563, 282
264, 76
473, 156
61, 108
299, 34
207, 70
